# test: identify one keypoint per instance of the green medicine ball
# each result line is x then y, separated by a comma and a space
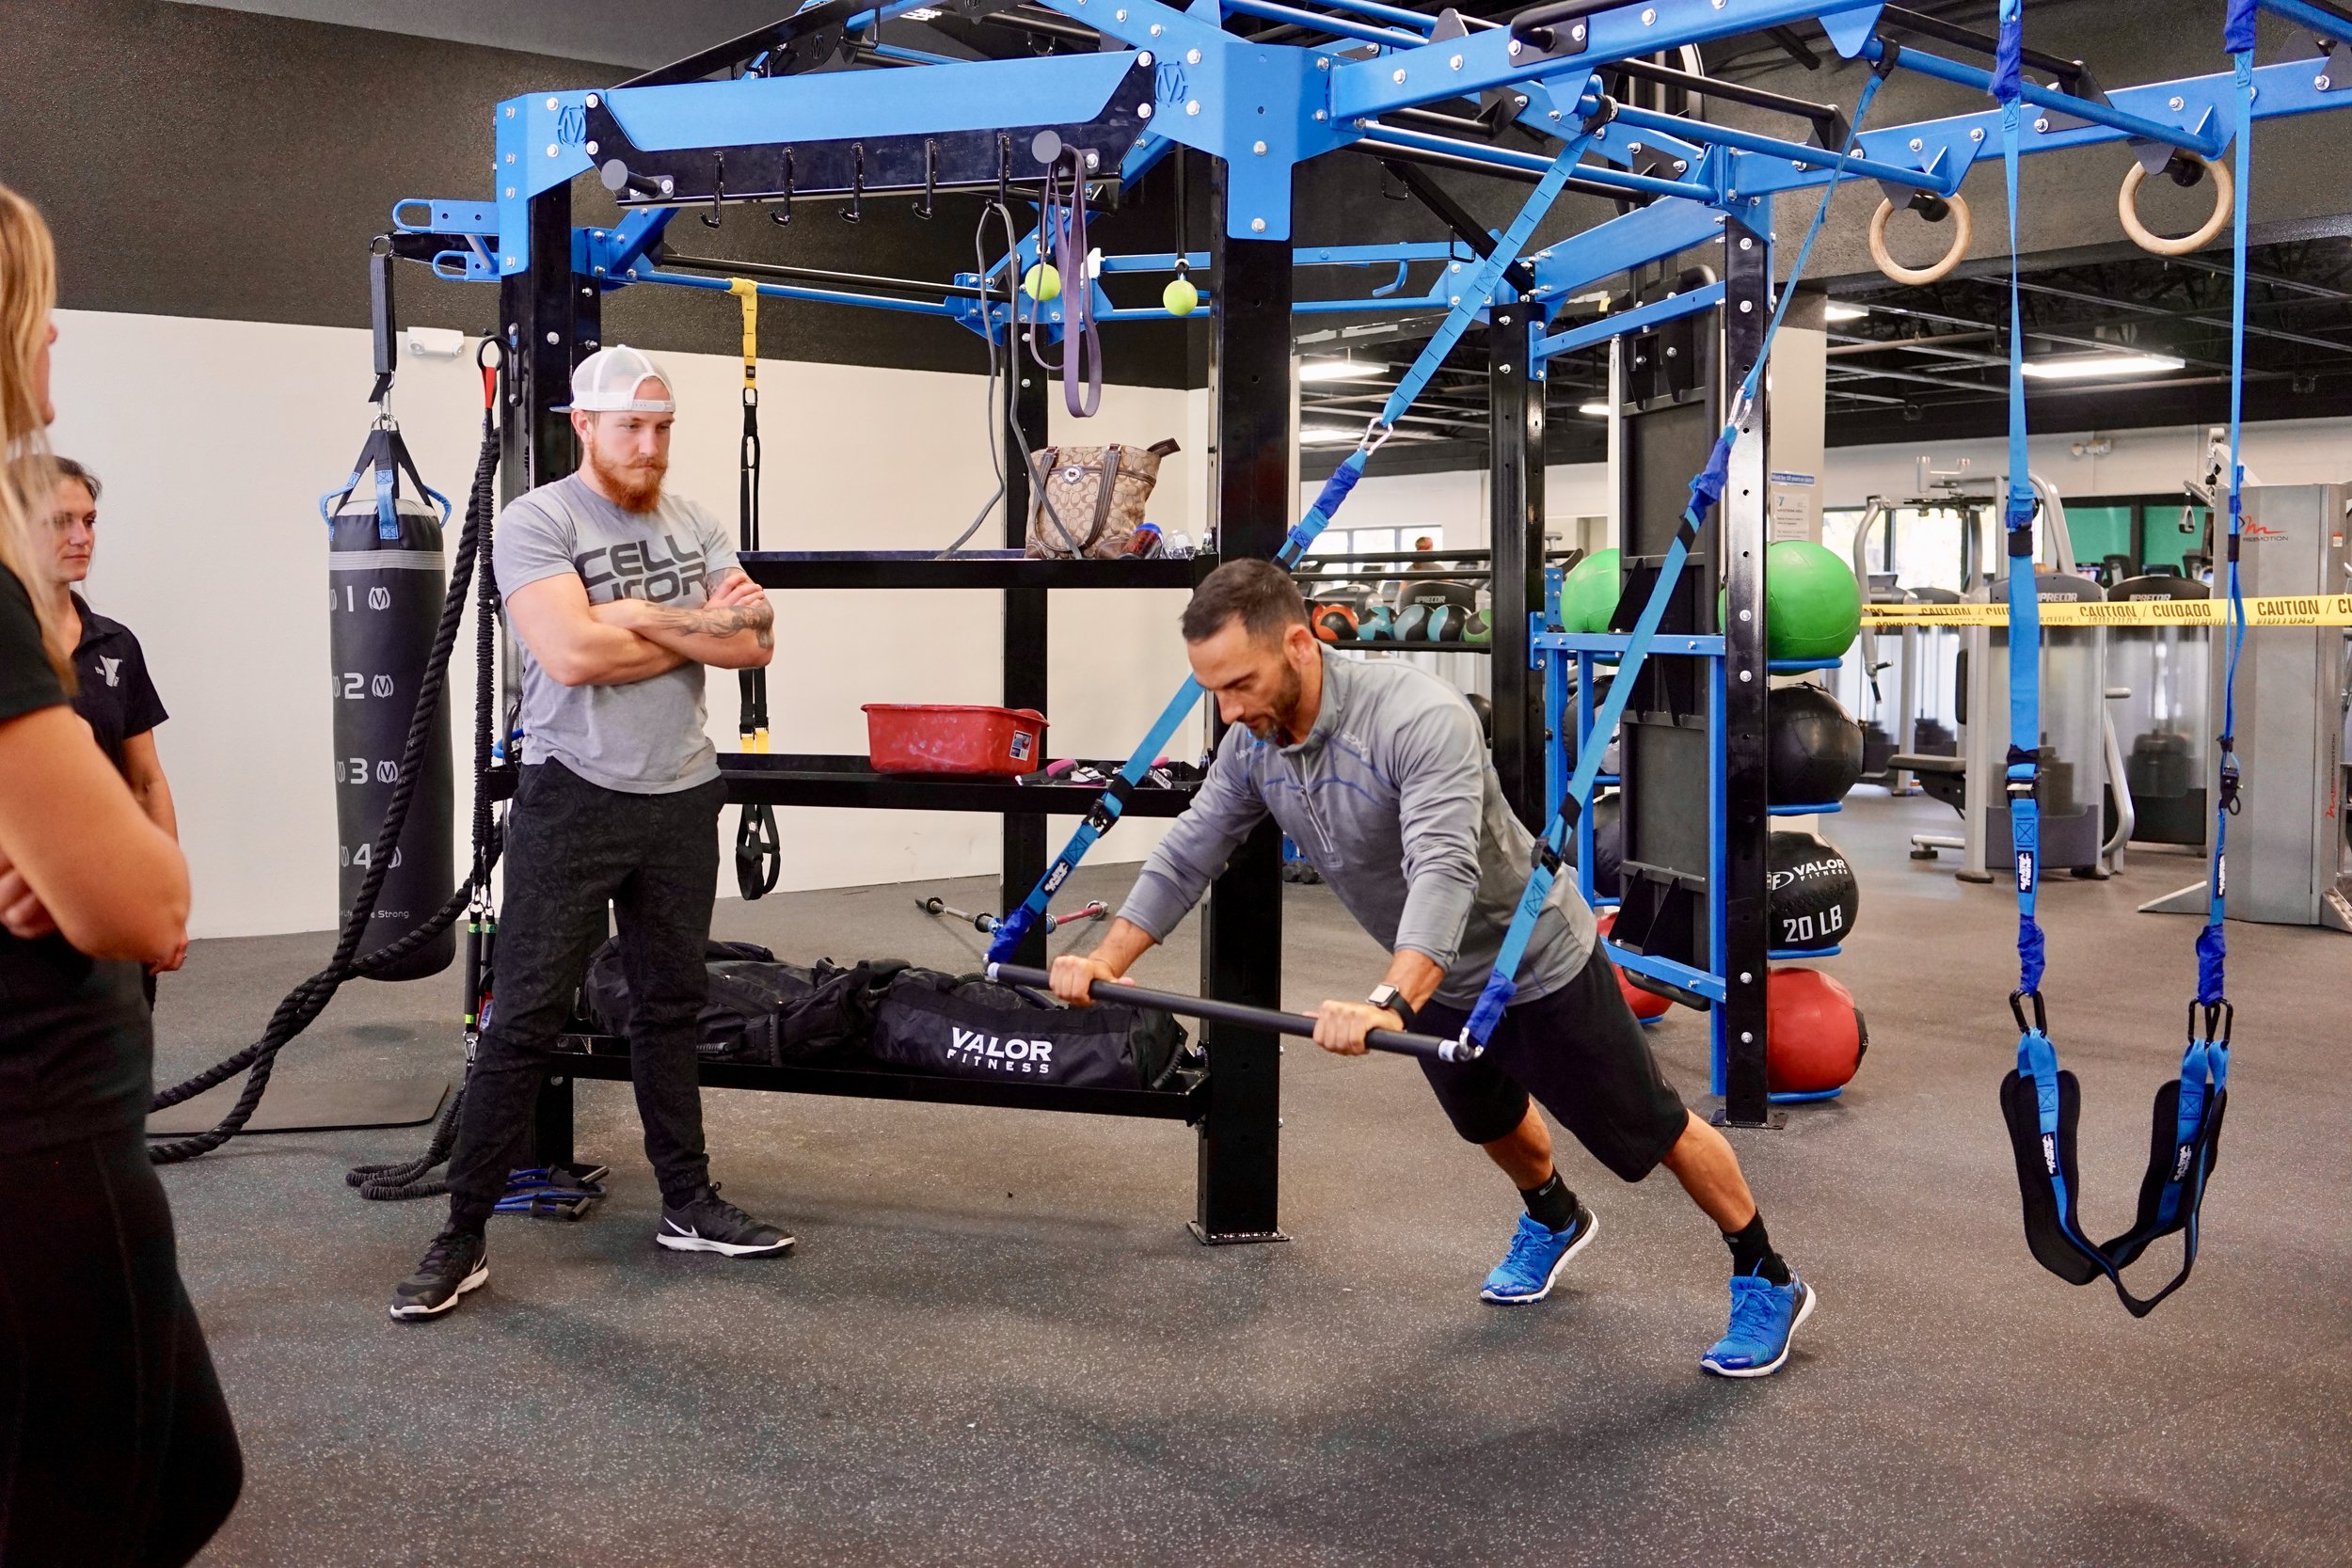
1812, 604
1588, 595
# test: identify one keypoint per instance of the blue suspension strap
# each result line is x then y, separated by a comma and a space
2041, 1101
1705, 490
1466, 307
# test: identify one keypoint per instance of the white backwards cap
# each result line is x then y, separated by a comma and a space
606, 381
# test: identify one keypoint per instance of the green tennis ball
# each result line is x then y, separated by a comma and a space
1042, 282
1811, 604
1588, 595
1180, 297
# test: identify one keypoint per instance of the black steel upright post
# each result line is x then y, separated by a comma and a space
1241, 951
1024, 645
1514, 445
551, 318
1747, 678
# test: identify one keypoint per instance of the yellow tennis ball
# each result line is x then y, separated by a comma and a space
1042, 282
1180, 297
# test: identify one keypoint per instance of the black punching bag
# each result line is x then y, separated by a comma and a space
386, 581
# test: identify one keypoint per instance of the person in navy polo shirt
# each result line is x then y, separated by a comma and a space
116, 697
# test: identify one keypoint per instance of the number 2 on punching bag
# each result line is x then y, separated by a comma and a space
386, 579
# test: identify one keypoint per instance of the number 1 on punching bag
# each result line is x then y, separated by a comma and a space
386, 579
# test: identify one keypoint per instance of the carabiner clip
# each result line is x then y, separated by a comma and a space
2040, 1024
1375, 436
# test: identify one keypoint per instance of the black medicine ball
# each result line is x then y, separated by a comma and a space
1814, 899
1412, 624
1814, 746
1607, 847
1485, 711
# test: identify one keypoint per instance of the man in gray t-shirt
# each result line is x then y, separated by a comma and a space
619, 596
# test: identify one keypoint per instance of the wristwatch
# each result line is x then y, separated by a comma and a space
1389, 999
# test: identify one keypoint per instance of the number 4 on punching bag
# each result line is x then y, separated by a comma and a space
386, 579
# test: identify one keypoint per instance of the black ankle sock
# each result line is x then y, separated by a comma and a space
1551, 1205
1752, 1252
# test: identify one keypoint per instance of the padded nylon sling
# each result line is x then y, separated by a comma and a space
1476, 293
2041, 1101
1708, 488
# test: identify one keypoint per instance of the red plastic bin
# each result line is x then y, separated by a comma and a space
953, 738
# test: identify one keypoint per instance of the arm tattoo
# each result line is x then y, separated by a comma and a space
758, 619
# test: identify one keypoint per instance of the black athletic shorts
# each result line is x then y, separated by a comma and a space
1580, 1052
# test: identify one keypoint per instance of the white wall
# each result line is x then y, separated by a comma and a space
2142, 462
1457, 500
214, 438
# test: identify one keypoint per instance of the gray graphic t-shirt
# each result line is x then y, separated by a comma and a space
646, 738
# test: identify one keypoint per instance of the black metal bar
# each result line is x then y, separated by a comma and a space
1537, 23
1025, 640
897, 569
1043, 26
848, 781
748, 46
2069, 73
1454, 216
1237, 1198
717, 266
383, 319
1828, 120
1388, 151
602, 1056
1516, 478
1209, 1009
1793, 45
1747, 822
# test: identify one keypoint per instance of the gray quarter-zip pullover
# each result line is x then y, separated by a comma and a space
1391, 797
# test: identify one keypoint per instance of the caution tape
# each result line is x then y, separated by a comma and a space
2292, 610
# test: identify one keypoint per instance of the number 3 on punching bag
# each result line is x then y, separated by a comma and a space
386, 579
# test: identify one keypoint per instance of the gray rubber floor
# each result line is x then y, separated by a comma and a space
999, 1344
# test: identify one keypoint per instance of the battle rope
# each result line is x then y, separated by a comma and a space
1705, 489
1475, 294
2041, 1101
308, 999
759, 852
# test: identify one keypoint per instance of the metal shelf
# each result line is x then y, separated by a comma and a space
1385, 646
854, 569
1791, 953
824, 780
1800, 666
1805, 811
605, 1057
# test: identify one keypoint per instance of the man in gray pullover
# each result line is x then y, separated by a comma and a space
1377, 771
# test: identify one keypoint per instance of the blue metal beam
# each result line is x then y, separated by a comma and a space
1639, 318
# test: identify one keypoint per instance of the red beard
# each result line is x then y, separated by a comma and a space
635, 486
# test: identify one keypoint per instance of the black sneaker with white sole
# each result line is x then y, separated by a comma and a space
711, 1224
457, 1263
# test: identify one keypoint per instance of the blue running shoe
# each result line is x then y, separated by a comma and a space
1764, 1318
1537, 1255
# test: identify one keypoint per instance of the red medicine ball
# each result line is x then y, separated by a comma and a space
1814, 1034
1646, 1005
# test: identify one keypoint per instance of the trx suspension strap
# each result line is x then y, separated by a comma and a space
1552, 845
758, 856
1465, 308
2041, 1101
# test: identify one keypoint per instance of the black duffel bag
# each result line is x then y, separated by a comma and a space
970, 1027
758, 1009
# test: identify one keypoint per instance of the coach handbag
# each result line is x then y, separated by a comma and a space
1088, 501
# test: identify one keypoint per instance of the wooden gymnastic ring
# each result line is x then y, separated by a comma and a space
2127, 208
1964, 228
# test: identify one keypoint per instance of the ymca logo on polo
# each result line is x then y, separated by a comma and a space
657, 570
111, 669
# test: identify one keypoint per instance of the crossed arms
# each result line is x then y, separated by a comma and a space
632, 639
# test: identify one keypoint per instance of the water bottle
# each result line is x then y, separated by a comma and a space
1146, 540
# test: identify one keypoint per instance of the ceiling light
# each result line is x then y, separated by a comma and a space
2078, 367
1329, 436
1592, 410
1838, 311
921, 13
1341, 370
